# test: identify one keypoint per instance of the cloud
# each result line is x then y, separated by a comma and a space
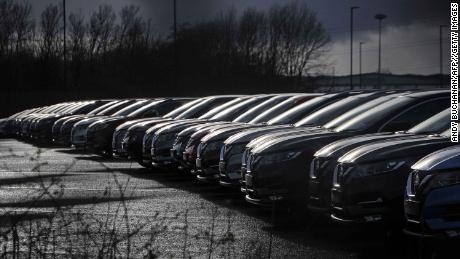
412, 48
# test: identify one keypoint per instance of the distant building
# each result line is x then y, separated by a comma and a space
371, 81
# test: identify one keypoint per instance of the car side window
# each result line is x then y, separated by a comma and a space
415, 115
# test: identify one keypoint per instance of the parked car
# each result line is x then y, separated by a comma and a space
278, 169
213, 161
369, 182
42, 129
99, 134
79, 128
176, 126
192, 139
261, 138
7, 124
58, 139
27, 125
325, 160
64, 136
128, 137
224, 117
432, 199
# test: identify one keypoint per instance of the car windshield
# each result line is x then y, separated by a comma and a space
232, 112
222, 107
144, 108
358, 110
203, 107
295, 114
257, 110
130, 108
174, 113
280, 108
102, 107
437, 123
366, 119
114, 108
331, 112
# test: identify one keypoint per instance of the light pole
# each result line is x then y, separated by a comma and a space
380, 17
175, 43
351, 44
440, 55
65, 43
360, 65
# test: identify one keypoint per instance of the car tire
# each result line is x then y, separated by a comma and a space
144, 164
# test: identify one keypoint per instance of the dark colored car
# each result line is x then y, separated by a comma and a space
369, 182
279, 168
65, 131
281, 121
192, 136
207, 161
42, 130
432, 200
7, 124
100, 134
325, 161
128, 138
174, 127
28, 124
263, 137
60, 139
80, 128
230, 155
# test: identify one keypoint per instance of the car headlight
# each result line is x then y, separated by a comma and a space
420, 182
211, 146
276, 158
99, 126
370, 169
169, 137
316, 165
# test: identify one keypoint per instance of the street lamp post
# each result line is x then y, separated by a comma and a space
351, 44
64, 42
175, 43
380, 17
440, 55
360, 65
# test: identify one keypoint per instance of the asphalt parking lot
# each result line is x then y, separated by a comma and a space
175, 214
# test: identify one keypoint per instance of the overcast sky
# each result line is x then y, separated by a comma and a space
410, 36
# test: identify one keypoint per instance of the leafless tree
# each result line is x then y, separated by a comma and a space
23, 25
50, 29
252, 37
77, 34
6, 25
101, 30
297, 38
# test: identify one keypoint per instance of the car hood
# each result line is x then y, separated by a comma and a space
252, 133
306, 140
176, 126
90, 120
129, 124
192, 129
339, 148
77, 118
398, 148
223, 133
281, 133
444, 159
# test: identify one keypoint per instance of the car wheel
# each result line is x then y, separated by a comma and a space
144, 164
